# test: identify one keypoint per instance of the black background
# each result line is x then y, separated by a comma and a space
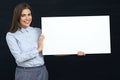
90, 67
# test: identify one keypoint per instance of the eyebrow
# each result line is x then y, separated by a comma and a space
26, 14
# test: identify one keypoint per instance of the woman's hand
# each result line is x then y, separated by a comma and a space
80, 53
40, 43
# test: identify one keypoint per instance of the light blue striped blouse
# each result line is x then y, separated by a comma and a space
23, 45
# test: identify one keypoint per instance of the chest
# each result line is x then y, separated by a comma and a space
28, 40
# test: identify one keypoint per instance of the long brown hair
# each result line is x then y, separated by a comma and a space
16, 16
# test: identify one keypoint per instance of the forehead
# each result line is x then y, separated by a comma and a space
25, 11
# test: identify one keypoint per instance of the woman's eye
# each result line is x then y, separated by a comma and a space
22, 15
29, 14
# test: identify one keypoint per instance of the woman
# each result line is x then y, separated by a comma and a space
26, 43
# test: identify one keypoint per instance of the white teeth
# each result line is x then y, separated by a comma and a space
27, 22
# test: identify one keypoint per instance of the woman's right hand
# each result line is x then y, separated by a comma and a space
40, 43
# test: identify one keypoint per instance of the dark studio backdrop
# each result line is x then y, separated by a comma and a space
90, 67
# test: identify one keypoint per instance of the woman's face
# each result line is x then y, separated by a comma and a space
25, 18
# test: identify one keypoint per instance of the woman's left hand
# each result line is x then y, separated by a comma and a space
80, 53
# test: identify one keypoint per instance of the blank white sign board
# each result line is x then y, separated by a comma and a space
68, 35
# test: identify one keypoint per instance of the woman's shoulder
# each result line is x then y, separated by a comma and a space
17, 33
9, 33
13, 33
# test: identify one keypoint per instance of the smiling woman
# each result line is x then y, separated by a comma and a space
26, 18
25, 44
22, 17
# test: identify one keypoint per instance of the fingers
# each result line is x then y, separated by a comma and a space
41, 37
40, 41
80, 53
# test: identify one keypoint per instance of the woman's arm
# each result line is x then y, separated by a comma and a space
18, 54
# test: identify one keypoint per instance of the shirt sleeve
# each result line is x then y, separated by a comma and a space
16, 52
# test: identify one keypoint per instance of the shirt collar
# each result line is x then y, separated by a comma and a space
25, 29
